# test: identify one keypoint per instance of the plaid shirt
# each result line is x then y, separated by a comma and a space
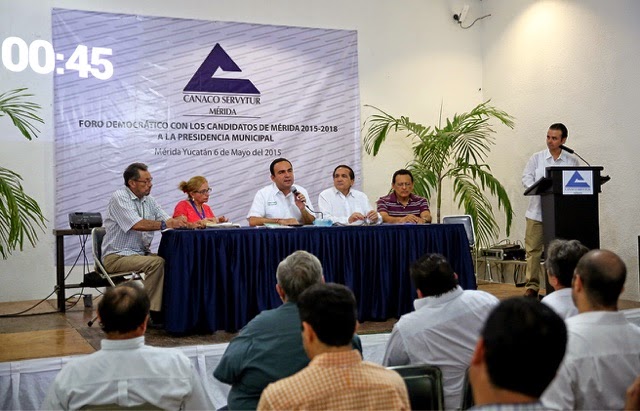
123, 212
338, 381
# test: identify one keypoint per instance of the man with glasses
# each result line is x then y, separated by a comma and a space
402, 206
131, 220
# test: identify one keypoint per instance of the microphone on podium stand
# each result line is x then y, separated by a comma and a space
604, 179
572, 151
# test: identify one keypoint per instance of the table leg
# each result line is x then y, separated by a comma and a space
60, 272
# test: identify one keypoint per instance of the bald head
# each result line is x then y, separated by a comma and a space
603, 274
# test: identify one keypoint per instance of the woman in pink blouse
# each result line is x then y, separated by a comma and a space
194, 207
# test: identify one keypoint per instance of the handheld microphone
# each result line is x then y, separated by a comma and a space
572, 151
295, 192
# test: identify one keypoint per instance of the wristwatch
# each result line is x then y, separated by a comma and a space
163, 225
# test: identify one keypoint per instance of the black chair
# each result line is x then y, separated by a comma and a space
424, 384
467, 393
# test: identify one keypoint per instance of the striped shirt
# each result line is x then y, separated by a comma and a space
123, 212
338, 381
390, 205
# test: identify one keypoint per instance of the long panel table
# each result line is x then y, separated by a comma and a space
219, 279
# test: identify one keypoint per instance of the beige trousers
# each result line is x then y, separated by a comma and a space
151, 265
533, 245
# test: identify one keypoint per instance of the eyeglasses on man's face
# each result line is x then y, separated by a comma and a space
203, 192
146, 182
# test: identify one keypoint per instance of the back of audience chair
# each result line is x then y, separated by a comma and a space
424, 384
467, 393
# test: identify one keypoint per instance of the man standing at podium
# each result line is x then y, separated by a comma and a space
533, 171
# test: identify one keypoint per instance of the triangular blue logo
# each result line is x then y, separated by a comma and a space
576, 181
204, 81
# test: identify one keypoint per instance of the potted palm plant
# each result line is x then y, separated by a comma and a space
20, 215
456, 152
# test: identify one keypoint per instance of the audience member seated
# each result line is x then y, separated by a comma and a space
603, 353
342, 204
270, 346
337, 377
402, 206
126, 372
281, 202
498, 378
444, 328
195, 207
562, 257
132, 218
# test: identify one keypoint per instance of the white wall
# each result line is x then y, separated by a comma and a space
574, 62
541, 61
412, 56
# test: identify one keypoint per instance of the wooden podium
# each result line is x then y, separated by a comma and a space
569, 197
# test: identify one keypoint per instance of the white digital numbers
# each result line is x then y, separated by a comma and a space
17, 55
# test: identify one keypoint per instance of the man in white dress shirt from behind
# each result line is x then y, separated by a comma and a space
344, 205
562, 257
126, 372
533, 171
444, 328
603, 350
277, 203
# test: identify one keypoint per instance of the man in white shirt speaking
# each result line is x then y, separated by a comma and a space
126, 373
533, 171
344, 205
281, 202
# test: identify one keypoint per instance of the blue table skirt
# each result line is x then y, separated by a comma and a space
219, 279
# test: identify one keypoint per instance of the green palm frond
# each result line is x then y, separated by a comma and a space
21, 111
20, 215
471, 198
456, 151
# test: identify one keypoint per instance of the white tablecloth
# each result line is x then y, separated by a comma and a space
24, 384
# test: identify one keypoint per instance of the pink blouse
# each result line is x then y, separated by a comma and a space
187, 208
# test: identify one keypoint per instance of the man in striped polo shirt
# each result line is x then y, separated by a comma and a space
402, 206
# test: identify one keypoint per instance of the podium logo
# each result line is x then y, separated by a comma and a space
204, 80
576, 181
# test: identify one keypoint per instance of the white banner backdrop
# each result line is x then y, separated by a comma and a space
192, 97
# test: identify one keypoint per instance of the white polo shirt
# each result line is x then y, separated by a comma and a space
270, 202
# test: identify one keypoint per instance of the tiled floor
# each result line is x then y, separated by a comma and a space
49, 333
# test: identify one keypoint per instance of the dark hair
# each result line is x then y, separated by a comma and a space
276, 161
133, 172
603, 274
297, 272
561, 127
562, 257
330, 309
401, 172
123, 308
518, 325
351, 173
432, 275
